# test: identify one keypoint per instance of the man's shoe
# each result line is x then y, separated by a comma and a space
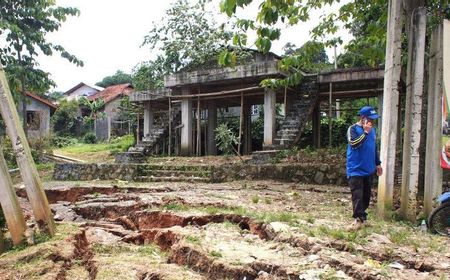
356, 225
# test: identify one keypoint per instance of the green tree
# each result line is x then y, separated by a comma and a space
149, 75
64, 118
119, 77
24, 26
186, 35
94, 107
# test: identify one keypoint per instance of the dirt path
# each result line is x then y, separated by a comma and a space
239, 230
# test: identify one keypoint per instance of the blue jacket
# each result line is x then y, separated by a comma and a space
362, 156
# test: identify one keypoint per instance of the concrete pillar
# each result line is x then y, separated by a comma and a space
186, 121
269, 116
212, 124
390, 105
316, 126
437, 63
148, 119
247, 131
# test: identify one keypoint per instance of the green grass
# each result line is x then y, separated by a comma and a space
215, 254
115, 145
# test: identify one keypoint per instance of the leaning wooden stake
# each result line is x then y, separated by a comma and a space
413, 113
2, 245
10, 205
390, 106
30, 176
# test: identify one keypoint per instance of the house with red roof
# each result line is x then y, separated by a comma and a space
112, 96
38, 114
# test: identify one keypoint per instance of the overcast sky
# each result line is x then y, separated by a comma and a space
107, 37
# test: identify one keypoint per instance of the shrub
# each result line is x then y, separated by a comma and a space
226, 139
64, 120
39, 146
59, 141
89, 138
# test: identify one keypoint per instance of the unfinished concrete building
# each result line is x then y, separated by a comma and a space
193, 99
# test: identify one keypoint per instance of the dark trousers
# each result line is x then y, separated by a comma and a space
360, 187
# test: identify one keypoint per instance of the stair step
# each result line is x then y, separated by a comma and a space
177, 173
173, 179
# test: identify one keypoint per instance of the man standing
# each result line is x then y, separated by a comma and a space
362, 162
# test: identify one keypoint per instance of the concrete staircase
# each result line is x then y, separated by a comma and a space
173, 173
302, 106
158, 133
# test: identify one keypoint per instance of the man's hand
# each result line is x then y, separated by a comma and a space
367, 126
379, 170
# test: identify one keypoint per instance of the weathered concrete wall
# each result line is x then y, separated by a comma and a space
302, 173
43, 112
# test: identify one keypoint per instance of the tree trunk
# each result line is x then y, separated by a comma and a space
413, 114
10, 205
390, 106
30, 176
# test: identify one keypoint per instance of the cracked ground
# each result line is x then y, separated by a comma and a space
238, 230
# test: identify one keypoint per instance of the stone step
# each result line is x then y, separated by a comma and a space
176, 173
154, 167
172, 179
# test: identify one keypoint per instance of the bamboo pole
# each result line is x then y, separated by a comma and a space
199, 131
10, 205
30, 175
413, 114
170, 127
330, 116
390, 106
285, 102
241, 118
216, 93
137, 129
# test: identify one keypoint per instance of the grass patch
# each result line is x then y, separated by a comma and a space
114, 145
215, 254
255, 199
176, 207
193, 239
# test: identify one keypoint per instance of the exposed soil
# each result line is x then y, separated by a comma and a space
240, 230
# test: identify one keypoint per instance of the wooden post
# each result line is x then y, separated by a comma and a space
433, 170
330, 116
10, 205
316, 126
30, 175
2, 244
170, 127
390, 104
413, 114
199, 129
241, 122
137, 129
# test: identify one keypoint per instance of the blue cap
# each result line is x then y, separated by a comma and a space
368, 112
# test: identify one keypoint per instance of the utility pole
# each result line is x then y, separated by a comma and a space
390, 107
30, 176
